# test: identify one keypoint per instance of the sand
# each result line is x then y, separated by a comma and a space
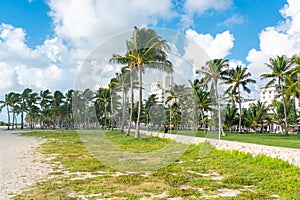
20, 165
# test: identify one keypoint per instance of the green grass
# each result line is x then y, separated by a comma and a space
189, 177
270, 139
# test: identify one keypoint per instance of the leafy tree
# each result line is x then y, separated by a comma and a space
280, 67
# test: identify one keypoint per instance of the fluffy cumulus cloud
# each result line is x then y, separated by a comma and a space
216, 47
87, 23
23, 67
79, 27
283, 39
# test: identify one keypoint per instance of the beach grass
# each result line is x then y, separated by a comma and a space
77, 174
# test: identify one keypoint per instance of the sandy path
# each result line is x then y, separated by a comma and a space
18, 163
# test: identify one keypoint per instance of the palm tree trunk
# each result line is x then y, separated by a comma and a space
131, 106
123, 110
13, 120
203, 121
137, 127
8, 117
221, 131
284, 110
22, 116
240, 111
112, 112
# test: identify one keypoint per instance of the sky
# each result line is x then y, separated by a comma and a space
46, 43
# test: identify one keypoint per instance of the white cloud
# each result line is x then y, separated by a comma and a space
200, 6
233, 20
86, 23
216, 47
283, 39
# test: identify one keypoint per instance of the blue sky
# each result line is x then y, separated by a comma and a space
248, 18
43, 43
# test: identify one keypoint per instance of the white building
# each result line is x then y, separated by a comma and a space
268, 94
160, 88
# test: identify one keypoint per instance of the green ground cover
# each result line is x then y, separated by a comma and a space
270, 139
77, 174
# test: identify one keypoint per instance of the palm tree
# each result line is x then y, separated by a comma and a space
213, 72
103, 97
130, 65
32, 106
256, 114
238, 77
56, 103
280, 67
7, 102
292, 81
123, 84
68, 105
15, 106
150, 103
231, 116
111, 86
146, 50
45, 101
202, 99
24, 97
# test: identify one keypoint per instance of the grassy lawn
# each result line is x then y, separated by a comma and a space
270, 139
78, 175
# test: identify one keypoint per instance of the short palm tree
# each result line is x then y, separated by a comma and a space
231, 116
238, 77
280, 67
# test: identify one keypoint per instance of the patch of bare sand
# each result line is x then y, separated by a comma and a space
20, 165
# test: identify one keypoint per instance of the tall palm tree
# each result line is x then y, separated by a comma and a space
68, 104
15, 107
112, 86
147, 50
130, 65
280, 67
292, 81
32, 106
24, 96
213, 73
123, 84
45, 101
7, 102
238, 77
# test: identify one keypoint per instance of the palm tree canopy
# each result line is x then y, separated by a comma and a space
280, 67
238, 76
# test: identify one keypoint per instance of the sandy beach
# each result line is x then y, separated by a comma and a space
20, 165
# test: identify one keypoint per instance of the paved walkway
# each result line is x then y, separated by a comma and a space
287, 154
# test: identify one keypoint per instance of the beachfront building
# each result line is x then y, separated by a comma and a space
160, 88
